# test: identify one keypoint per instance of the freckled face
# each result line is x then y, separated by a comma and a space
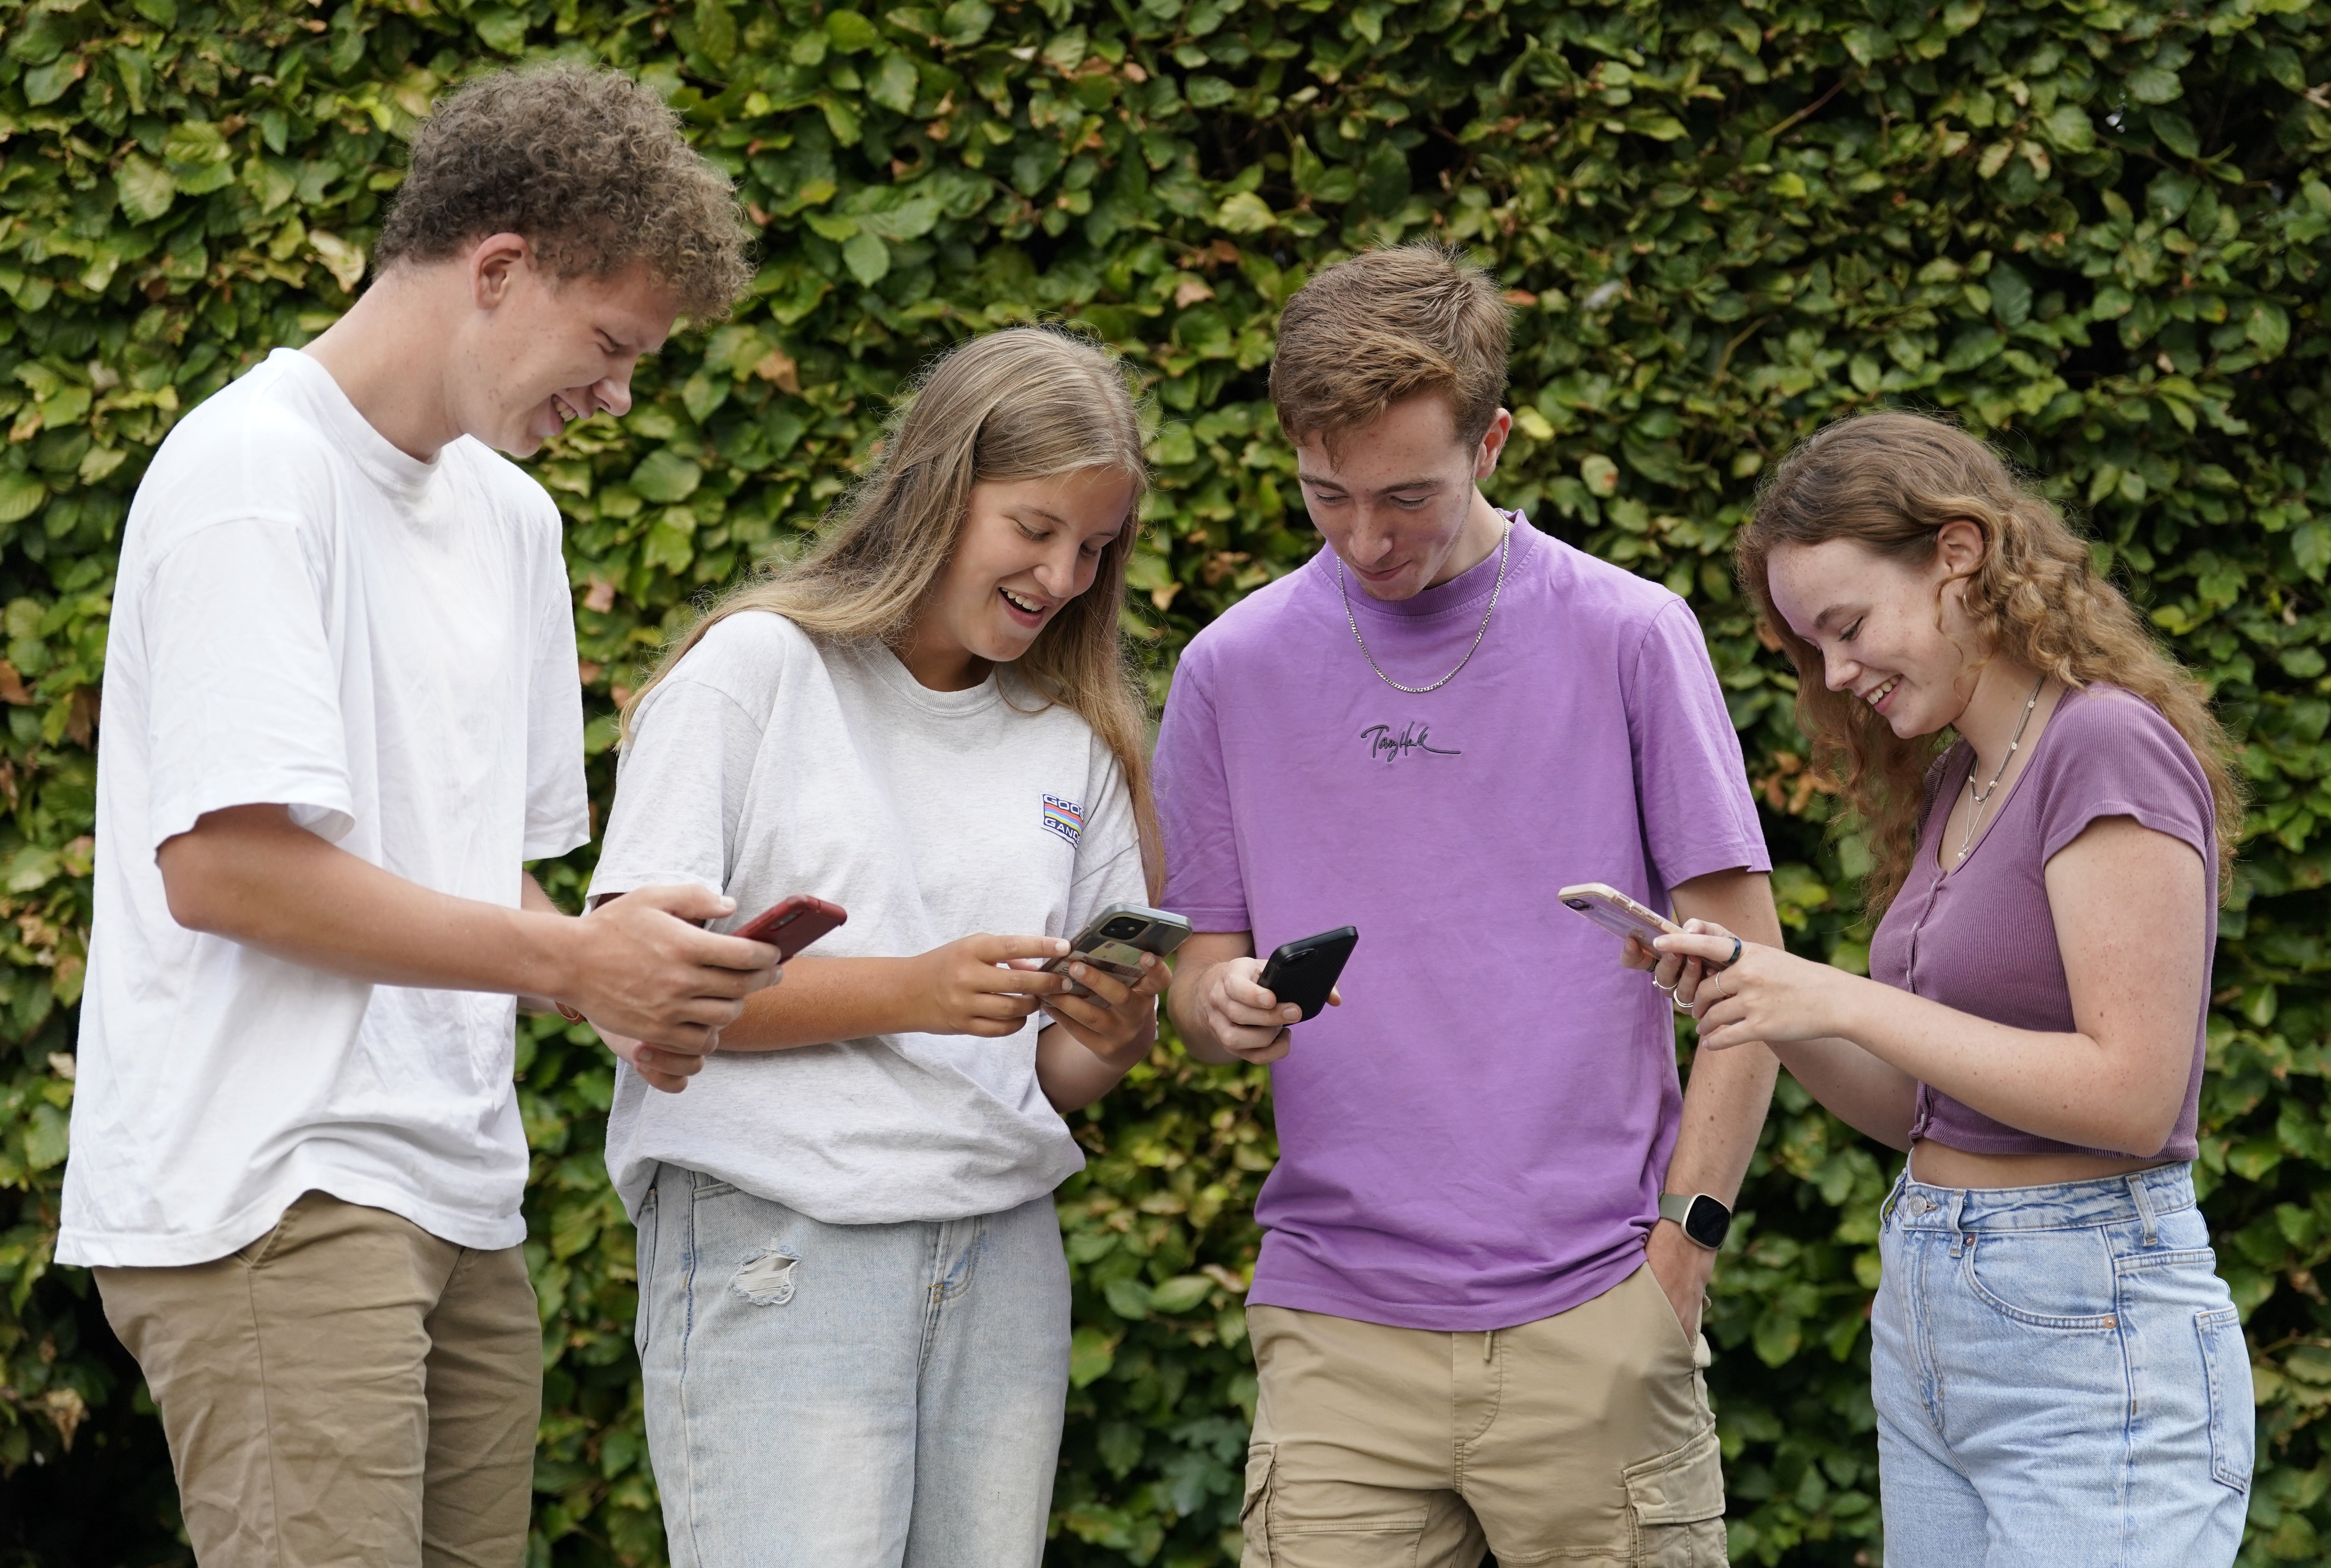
1881, 632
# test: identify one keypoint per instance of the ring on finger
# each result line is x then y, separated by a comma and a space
1667, 990
1680, 1004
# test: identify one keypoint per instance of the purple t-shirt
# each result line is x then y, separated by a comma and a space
1983, 938
1476, 1137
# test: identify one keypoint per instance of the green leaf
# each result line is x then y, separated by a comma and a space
2151, 84
1245, 214
48, 83
47, 1137
894, 83
716, 33
868, 259
850, 33
1180, 1293
966, 20
502, 28
2175, 132
666, 477
2068, 125
1091, 1353
21, 495
1128, 1298
2267, 325
144, 189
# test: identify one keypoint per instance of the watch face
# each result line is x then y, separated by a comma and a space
1708, 1222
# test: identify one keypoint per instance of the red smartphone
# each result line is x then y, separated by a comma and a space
794, 924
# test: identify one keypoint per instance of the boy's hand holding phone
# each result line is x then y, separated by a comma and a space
1248, 1020
643, 970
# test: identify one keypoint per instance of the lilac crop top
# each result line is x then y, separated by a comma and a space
1982, 938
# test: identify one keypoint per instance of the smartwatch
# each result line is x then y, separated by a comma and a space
1705, 1222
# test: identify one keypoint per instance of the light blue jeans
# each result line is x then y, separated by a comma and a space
850, 1396
2061, 1379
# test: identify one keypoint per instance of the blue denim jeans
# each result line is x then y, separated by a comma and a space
2061, 1379
850, 1396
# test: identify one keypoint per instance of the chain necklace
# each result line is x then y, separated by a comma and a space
1505, 546
1980, 796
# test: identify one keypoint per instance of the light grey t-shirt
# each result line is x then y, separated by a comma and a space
767, 765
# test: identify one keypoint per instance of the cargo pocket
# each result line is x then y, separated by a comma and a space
1254, 1507
2233, 1414
1678, 1503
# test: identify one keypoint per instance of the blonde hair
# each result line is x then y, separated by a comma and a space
1023, 404
1386, 325
1889, 481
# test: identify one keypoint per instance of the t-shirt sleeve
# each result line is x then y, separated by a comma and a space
681, 789
1698, 815
1204, 881
557, 798
2116, 757
1108, 853
244, 706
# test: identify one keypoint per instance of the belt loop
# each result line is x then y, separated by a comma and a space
2144, 1202
1894, 1196
1953, 1211
1488, 1346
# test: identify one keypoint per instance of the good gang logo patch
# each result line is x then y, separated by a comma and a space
1065, 819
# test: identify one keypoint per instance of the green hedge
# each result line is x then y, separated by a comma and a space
2094, 229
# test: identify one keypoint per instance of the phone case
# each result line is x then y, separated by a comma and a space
1617, 913
793, 924
1119, 954
1305, 971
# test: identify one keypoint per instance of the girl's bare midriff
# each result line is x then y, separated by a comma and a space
1941, 1166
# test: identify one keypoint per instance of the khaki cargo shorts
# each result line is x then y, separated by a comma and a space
1583, 1440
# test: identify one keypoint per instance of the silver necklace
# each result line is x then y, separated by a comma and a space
1505, 546
1980, 796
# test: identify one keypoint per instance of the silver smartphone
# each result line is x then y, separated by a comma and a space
1116, 937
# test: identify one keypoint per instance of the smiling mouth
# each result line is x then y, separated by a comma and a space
1879, 694
1024, 606
564, 409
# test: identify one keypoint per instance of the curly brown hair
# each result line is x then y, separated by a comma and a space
589, 165
1383, 327
1889, 481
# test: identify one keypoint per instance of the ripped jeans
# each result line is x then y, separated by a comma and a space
850, 1396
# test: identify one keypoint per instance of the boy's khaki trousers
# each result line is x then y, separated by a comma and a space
1583, 1440
346, 1390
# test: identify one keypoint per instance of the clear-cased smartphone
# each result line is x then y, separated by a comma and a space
1116, 938
1305, 971
793, 924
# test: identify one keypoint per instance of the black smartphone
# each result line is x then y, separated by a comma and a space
1303, 971
1115, 940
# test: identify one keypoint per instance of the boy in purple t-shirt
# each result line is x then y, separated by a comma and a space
1472, 1324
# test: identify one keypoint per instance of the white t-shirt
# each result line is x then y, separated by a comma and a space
766, 765
306, 616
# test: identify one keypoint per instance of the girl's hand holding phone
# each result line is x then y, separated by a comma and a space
1766, 995
1115, 1015
974, 986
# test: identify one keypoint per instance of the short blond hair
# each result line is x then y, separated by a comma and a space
1384, 327
589, 165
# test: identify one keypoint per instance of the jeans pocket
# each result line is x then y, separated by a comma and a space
2233, 1415
2045, 1278
644, 1269
1254, 1506
1676, 1503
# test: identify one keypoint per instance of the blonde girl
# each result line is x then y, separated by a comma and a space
2059, 1375
853, 1306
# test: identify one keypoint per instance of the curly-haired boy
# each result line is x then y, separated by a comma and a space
340, 714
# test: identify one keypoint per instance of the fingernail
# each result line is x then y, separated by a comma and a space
1078, 970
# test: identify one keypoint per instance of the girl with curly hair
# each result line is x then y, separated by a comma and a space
2058, 1373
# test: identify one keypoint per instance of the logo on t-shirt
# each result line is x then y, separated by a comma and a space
1413, 736
1065, 818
